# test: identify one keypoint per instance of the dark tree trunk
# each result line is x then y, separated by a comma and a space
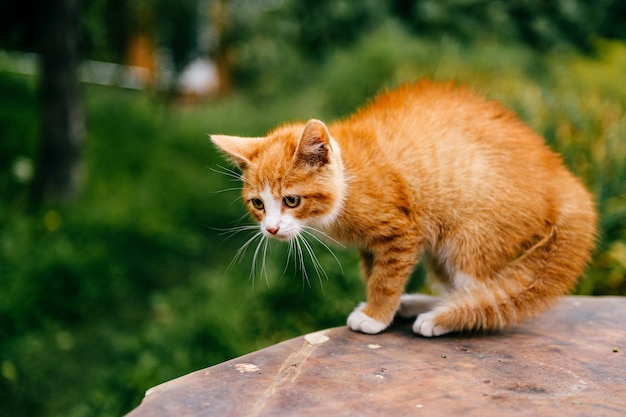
59, 168
223, 57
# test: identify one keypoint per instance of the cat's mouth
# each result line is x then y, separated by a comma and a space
284, 236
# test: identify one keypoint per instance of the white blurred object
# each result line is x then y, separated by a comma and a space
199, 78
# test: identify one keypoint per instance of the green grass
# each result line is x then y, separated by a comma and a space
130, 286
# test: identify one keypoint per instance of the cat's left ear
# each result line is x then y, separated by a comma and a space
314, 146
239, 150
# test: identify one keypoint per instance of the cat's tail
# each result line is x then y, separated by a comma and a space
530, 284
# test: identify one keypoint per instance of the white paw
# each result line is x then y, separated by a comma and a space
412, 305
361, 322
425, 325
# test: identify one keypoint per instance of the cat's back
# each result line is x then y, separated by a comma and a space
445, 123
429, 110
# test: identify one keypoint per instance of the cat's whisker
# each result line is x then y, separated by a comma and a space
234, 175
309, 250
263, 264
261, 248
323, 243
230, 232
316, 263
300, 255
242, 250
326, 235
319, 270
226, 171
253, 266
239, 198
235, 229
289, 251
226, 190
242, 217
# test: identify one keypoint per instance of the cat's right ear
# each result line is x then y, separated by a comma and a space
314, 144
238, 150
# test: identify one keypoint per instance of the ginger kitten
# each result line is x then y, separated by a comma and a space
435, 172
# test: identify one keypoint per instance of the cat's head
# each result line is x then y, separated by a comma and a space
292, 178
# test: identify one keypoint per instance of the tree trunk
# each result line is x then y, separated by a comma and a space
223, 58
59, 169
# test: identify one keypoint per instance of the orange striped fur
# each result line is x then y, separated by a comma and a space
435, 172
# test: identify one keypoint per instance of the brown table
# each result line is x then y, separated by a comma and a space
569, 362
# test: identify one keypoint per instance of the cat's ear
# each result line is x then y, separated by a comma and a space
314, 146
239, 150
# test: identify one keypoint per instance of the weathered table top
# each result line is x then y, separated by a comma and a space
563, 363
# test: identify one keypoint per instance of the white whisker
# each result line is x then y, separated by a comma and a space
236, 229
226, 190
229, 233
242, 250
300, 255
242, 217
238, 198
226, 171
324, 244
319, 270
327, 236
263, 265
254, 259
234, 175
289, 250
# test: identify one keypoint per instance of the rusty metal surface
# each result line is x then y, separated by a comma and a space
561, 364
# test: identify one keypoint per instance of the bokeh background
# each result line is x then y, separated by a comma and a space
114, 260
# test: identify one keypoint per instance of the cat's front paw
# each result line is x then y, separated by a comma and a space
361, 322
425, 326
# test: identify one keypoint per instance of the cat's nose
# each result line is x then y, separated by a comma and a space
272, 230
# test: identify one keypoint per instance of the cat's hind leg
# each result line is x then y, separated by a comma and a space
462, 307
425, 325
527, 285
471, 305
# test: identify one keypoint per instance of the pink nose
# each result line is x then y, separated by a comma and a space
272, 230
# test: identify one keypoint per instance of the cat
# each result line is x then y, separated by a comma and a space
436, 172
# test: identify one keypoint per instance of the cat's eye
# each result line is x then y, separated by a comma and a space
291, 201
257, 203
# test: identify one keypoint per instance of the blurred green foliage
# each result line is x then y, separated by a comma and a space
131, 286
